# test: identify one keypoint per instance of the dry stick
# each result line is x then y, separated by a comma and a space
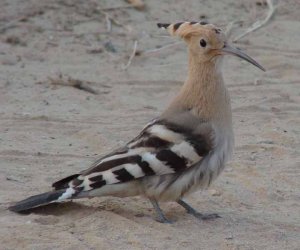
132, 55
138, 4
9, 25
15, 22
161, 48
229, 28
116, 8
112, 19
73, 83
108, 22
259, 24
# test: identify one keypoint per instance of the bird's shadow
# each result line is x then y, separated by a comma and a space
59, 209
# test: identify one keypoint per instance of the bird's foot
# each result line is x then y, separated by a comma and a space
163, 219
195, 213
201, 216
160, 215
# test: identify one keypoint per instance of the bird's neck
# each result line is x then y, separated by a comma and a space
204, 92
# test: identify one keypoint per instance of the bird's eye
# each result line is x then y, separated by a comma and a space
203, 43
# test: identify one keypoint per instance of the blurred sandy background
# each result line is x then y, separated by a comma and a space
48, 131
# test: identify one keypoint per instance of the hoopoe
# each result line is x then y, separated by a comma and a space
182, 150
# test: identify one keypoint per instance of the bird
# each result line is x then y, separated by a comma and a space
182, 150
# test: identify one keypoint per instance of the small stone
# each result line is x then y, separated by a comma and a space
266, 142
15, 40
273, 109
214, 192
229, 237
9, 60
110, 47
11, 178
94, 50
257, 82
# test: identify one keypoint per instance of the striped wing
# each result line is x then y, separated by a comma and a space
161, 148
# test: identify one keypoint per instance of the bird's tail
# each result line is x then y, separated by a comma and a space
38, 200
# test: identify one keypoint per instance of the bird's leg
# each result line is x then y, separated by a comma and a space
160, 215
195, 213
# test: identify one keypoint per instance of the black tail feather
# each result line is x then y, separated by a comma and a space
63, 183
36, 201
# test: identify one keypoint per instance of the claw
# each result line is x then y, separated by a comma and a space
206, 216
160, 215
164, 220
195, 213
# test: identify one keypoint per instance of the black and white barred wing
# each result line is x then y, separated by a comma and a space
161, 148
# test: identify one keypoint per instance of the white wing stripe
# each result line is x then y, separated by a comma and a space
109, 177
131, 152
135, 170
186, 150
157, 166
164, 133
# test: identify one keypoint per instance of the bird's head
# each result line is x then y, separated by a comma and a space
205, 41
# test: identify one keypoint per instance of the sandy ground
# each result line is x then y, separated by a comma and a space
48, 132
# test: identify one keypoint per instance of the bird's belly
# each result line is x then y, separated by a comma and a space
172, 187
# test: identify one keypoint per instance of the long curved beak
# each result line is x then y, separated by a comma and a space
227, 49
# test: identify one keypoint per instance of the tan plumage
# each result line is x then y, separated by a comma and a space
182, 150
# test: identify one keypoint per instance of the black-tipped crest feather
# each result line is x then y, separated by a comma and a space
163, 25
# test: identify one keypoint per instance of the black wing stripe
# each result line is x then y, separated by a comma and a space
146, 168
123, 175
107, 165
76, 182
63, 183
172, 159
199, 142
96, 178
144, 165
98, 184
152, 142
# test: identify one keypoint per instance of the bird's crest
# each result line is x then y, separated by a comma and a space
186, 29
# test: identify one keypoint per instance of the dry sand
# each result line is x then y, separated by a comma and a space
49, 132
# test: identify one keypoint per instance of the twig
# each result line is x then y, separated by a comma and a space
259, 23
138, 4
79, 84
132, 55
9, 25
108, 22
113, 20
229, 28
162, 48
116, 8
15, 22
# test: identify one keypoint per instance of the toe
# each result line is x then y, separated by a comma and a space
164, 220
208, 216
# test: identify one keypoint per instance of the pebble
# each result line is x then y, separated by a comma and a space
214, 192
